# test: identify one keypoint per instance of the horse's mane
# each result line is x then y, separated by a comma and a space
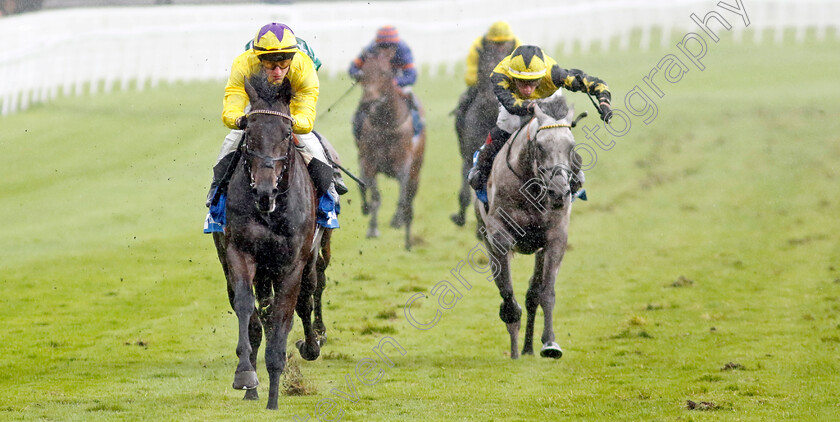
555, 107
269, 92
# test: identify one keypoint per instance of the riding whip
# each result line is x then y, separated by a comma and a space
341, 98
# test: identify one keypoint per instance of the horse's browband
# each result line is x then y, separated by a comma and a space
555, 125
275, 113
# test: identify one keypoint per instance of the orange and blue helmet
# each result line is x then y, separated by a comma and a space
275, 41
387, 35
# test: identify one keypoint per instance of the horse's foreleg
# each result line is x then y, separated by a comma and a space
255, 334
532, 301
322, 264
286, 295
464, 195
309, 348
509, 311
366, 175
375, 200
241, 272
551, 265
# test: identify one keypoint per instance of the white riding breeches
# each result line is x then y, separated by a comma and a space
310, 147
510, 123
230, 143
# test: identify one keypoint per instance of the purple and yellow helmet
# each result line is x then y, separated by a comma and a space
274, 38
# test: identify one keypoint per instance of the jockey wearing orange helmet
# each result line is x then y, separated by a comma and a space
402, 62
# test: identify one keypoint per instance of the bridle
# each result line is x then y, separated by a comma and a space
269, 161
531, 156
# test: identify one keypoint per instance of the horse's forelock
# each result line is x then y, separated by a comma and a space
555, 107
268, 92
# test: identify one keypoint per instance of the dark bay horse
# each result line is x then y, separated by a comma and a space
268, 250
529, 203
387, 143
479, 117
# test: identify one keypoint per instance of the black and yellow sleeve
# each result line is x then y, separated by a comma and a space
504, 93
577, 80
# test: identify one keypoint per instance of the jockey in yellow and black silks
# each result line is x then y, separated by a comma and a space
275, 52
529, 74
499, 37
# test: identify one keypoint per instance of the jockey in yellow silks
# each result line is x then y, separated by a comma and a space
499, 37
526, 75
275, 51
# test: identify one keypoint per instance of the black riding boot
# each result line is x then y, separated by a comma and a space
479, 173
218, 173
321, 174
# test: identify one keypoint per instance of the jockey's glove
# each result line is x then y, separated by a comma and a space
605, 111
530, 106
242, 122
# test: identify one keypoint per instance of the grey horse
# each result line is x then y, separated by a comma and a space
529, 203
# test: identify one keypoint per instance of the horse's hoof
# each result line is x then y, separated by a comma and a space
458, 219
528, 351
251, 394
307, 353
551, 350
246, 380
397, 222
373, 233
365, 210
322, 339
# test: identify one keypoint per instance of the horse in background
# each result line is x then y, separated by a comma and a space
473, 124
529, 204
269, 248
387, 142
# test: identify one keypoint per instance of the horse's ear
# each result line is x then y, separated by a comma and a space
570, 115
249, 89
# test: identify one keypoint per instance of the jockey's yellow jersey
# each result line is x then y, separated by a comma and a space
555, 78
471, 74
301, 76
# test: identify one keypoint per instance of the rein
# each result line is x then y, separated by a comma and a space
529, 141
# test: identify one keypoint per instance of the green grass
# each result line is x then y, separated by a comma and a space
114, 307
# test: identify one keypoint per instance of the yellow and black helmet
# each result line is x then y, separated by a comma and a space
499, 32
275, 41
527, 63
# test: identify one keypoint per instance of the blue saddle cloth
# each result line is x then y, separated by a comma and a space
328, 210
216, 220
326, 215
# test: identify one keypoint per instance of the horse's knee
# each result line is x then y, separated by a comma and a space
510, 312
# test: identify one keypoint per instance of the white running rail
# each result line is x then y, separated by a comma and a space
90, 50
